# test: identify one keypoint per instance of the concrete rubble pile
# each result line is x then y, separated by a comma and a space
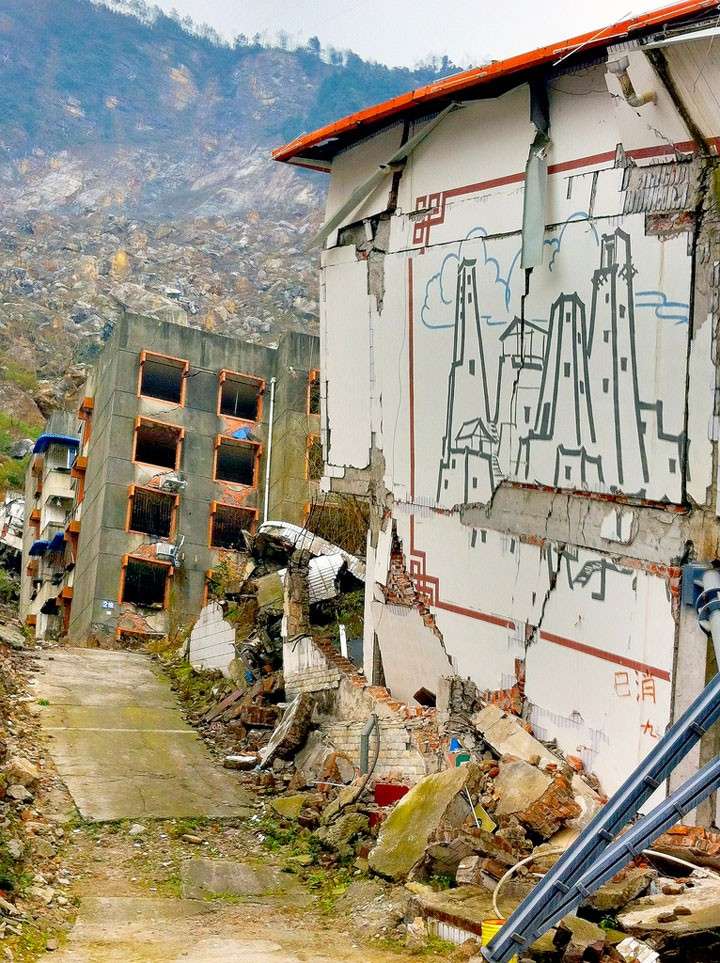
465, 842
436, 852
256, 723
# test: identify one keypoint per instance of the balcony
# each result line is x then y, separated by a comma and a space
58, 484
52, 539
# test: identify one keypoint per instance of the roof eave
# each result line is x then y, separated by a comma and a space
300, 151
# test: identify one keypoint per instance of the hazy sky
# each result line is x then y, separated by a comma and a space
404, 31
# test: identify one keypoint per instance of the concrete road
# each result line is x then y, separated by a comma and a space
136, 930
120, 744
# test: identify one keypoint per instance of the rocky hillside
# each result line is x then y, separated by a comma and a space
135, 171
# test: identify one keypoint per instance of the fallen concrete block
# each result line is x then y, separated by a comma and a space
437, 799
292, 732
627, 886
214, 877
21, 771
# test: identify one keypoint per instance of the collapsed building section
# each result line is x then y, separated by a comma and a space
519, 322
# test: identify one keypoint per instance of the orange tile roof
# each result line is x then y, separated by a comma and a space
355, 125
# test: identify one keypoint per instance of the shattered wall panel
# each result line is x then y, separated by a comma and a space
695, 70
357, 164
701, 398
212, 640
650, 131
412, 655
598, 674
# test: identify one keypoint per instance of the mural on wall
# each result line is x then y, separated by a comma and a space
566, 397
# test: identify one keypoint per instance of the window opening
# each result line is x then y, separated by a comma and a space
228, 525
162, 378
145, 583
240, 397
152, 512
235, 462
314, 458
314, 393
157, 444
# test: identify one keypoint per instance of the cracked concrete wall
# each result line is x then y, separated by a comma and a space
547, 438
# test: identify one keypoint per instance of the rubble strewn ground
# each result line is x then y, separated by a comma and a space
384, 850
498, 805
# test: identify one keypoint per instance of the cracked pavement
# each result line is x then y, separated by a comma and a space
121, 745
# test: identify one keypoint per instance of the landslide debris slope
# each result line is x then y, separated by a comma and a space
135, 173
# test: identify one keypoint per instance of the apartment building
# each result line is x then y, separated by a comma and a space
49, 496
12, 522
186, 440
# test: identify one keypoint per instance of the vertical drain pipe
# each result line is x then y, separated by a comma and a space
708, 607
268, 460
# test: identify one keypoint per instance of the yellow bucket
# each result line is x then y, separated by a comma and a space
491, 928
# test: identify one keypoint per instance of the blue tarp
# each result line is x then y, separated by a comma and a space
45, 440
242, 434
39, 547
57, 542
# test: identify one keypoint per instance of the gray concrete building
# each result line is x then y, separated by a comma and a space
177, 459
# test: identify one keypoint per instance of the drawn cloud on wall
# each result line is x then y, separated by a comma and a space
438, 309
495, 283
663, 309
555, 243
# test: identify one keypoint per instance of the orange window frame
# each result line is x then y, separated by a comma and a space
225, 375
147, 561
78, 473
313, 378
244, 442
161, 424
173, 362
240, 508
156, 491
85, 413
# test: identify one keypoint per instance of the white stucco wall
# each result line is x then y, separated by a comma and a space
212, 640
470, 376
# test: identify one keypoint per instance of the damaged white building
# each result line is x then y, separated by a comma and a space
519, 302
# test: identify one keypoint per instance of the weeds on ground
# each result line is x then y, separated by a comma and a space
196, 688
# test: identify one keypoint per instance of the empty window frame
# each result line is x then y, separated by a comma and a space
157, 444
236, 461
152, 512
313, 398
240, 396
227, 524
145, 583
314, 458
162, 378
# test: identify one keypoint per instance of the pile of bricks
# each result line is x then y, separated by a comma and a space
692, 843
409, 740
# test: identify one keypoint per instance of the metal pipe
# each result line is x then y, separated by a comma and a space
365, 742
268, 459
708, 607
620, 69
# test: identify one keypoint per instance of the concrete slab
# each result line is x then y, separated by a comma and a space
123, 929
202, 877
120, 744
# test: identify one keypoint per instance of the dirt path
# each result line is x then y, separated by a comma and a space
155, 814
